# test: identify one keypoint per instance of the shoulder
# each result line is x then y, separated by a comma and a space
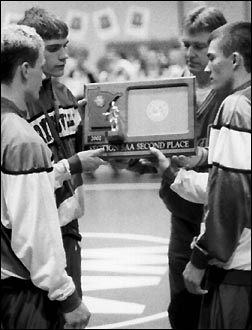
22, 149
235, 111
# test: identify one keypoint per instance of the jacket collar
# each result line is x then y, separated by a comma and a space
7, 106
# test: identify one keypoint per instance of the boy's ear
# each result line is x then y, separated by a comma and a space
24, 70
237, 59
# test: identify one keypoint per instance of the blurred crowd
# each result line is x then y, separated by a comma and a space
114, 65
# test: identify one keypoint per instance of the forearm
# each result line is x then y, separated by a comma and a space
178, 206
228, 217
61, 173
65, 168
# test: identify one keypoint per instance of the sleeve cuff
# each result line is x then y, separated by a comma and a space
71, 303
204, 156
199, 259
66, 164
75, 164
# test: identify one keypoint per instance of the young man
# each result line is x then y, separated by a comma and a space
224, 249
56, 119
186, 217
36, 292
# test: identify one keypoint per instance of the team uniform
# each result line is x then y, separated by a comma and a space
225, 246
186, 218
35, 287
54, 115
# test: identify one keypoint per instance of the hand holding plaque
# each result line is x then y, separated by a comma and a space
192, 161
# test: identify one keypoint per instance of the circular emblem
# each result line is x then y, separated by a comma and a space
157, 110
99, 101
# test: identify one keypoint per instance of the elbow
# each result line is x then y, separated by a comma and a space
223, 255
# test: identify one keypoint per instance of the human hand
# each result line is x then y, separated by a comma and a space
193, 277
82, 103
163, 162
81, 107
90, 159
78, 318
191, 161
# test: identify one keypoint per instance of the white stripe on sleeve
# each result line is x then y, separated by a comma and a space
236, 144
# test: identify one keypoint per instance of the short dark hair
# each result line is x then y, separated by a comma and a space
47, 25
235, 37
203, 19
19, 44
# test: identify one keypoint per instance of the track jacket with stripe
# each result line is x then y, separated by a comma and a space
179, 205
226, 241
28, 210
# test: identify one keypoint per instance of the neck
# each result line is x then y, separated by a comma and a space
240, 79
14, 94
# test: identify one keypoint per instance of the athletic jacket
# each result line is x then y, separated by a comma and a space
226, 241
178, 206
28, 211
191, 185
62, 109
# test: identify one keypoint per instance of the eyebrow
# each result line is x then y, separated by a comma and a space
58, 44
197, 43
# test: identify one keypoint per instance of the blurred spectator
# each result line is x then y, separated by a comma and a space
150, 67
176, 63
144, 62
77, 73
115, 67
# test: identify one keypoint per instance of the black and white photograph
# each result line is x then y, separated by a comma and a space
125, 165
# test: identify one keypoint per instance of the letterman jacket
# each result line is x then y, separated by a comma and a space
62, 108
226, 242
28, 211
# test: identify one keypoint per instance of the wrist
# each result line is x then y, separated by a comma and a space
203, 157
170, 174
199, 256
71, 303
75, 164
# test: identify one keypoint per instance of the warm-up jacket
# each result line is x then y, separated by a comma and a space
226, 241
178, 206
62, 109
28, 210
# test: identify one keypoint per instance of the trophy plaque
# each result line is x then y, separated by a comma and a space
127, 118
